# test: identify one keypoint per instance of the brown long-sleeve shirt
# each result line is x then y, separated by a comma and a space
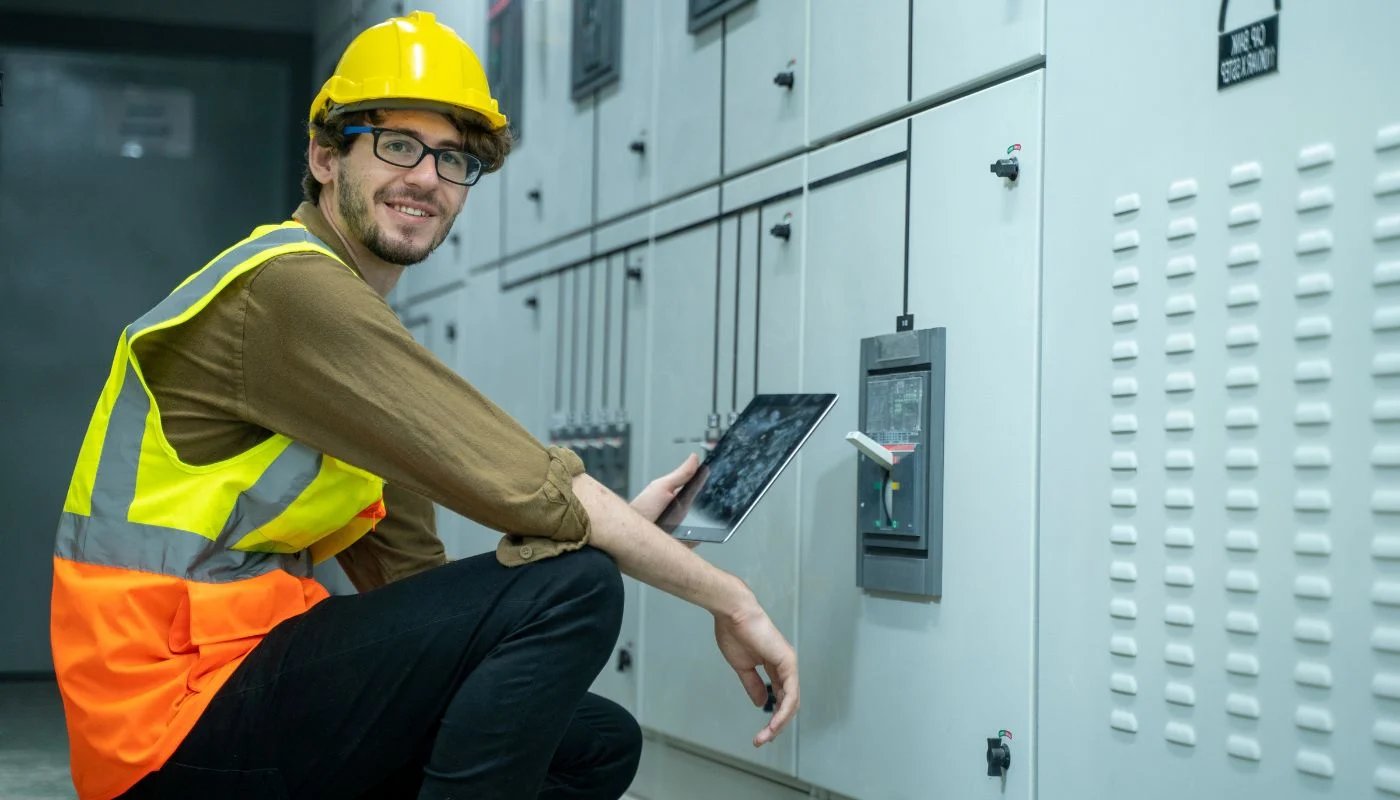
304, 347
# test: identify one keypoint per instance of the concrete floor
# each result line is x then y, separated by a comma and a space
33, 743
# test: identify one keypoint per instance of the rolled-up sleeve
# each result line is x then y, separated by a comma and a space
326, 362
573, 530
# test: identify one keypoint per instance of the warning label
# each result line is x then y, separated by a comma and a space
1248, 52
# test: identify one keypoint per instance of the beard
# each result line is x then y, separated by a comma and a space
360, 221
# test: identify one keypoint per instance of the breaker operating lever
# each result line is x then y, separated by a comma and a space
877, 452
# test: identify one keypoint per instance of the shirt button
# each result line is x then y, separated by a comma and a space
526, 552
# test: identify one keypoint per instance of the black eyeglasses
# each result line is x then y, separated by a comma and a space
406, 150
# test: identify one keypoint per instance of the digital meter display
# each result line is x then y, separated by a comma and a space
894, 408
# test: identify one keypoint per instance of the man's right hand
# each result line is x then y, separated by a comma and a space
745, 635
749, 640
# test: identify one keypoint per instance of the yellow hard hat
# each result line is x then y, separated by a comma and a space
408, 62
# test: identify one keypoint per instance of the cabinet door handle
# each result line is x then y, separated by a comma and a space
638, 146
786, 79
534, 195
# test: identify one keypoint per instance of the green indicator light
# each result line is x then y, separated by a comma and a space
894, 522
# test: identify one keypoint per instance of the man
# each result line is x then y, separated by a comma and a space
272, 411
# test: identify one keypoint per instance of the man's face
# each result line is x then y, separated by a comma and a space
399, 214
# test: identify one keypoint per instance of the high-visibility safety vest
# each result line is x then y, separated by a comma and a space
167, 574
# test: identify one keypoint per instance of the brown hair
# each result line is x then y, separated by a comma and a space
491, 146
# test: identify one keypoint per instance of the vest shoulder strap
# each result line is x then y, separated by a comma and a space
190, 297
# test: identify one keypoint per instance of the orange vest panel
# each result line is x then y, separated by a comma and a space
139, 656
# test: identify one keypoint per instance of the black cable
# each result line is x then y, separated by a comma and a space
738, 282
757, 297
607, 327
573, 363
593, 228
909, 151
559, 351
909, 77
719, 274
592, 325
908, 197
723, 67
719, 210
622, 358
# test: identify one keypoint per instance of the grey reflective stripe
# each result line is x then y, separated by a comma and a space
114, 485
166, 551
183, 298
282, 482
107, 537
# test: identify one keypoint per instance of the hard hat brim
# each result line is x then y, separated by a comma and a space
410, 104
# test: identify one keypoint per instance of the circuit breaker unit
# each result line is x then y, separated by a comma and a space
899, 481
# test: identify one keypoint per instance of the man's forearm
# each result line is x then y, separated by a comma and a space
646, 553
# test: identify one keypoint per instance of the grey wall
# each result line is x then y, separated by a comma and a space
89, 239
277, 15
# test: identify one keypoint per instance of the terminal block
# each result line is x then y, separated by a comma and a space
605, 449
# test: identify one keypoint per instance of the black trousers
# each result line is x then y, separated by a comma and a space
466, 681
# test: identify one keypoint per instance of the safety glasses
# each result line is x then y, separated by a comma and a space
406, 150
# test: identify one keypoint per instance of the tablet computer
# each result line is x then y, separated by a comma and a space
743, 464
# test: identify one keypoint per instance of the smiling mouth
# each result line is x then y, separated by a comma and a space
410, 211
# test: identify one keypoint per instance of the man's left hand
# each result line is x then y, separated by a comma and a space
660, 492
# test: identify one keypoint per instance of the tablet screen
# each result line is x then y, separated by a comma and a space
744, 463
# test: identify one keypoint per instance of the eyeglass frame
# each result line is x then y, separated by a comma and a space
355, 130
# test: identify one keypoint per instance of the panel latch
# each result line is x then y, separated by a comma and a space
788, 77
783, 230
1009, 167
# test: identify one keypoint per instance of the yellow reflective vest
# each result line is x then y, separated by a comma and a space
167, 574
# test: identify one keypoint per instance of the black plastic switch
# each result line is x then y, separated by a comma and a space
785, 79
771, 704
1009, 168
783, 230
998, 757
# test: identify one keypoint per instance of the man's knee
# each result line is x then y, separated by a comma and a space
588, 582
593, 573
